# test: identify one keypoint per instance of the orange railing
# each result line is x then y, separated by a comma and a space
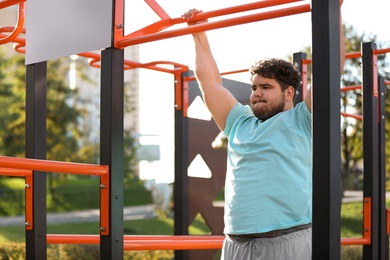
366, 239
23, 167
143, 242
27, 174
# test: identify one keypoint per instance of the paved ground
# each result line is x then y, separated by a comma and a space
129, 213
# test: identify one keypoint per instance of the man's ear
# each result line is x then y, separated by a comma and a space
290, 93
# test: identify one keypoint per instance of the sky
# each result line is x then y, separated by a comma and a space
233, 48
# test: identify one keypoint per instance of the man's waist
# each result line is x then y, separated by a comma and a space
273, 233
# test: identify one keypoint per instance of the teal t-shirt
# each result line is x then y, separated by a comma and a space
269, 170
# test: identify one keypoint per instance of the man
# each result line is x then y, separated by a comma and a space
268, 188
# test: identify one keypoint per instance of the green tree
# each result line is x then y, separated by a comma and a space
352, 103
67, 133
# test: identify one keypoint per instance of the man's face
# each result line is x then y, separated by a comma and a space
267, 98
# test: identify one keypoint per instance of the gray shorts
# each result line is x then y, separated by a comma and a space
296, 245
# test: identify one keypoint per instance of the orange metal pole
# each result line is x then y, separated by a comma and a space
146, 242
167, 22
7, 3
172, 245
19, 26
95, 60
388, 222
353, 55
15, 172
27, 174
381, 51
121, 43
366, 239
358, 117
170, 237
349, 88
157, 9
53, 166
105, 205
29, 202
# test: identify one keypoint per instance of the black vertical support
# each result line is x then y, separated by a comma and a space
370, 143
36, 86
383, 237
180, 191
298, 57
326, 129
111, 146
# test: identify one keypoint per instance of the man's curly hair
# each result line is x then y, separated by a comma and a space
280, 70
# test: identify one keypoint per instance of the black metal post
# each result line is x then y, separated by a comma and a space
181, 185
36, 86
326, 129
370, 143
111, 146
383, 237
297, 60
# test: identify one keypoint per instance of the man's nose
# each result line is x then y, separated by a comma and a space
259, 92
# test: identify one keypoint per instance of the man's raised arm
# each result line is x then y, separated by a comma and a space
219, 101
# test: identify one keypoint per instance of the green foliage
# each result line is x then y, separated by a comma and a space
74, 193
67, 132
352, 103
16, 251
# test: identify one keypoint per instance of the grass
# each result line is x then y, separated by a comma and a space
351, 226
73, 194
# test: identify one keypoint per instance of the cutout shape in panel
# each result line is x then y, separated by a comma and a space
198, 110
199, 169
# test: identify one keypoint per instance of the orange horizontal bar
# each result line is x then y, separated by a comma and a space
357, 117
191, 78
381, 51
53, 166
177, 67
121, 43
146, 242
387, 82
349, 88
15, 172
167, 22
72, 239
355, 241
353, 55
173, 245
170, 237
7, 3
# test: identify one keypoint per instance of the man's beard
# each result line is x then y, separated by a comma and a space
266, 112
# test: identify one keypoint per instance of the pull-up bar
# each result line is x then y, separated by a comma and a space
153, 32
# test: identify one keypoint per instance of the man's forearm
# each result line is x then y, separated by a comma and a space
206, 69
